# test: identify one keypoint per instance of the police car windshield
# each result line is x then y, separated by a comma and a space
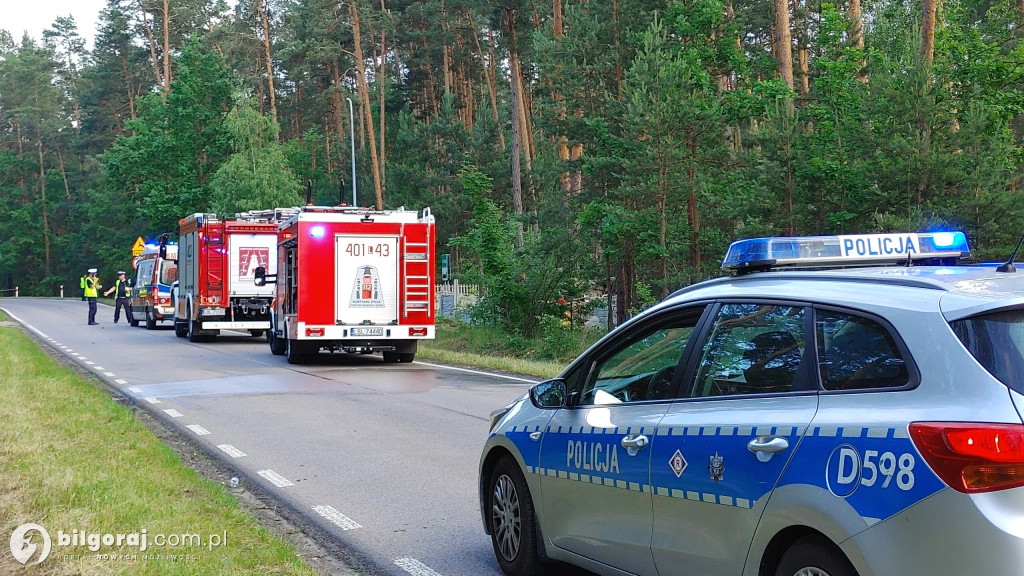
996, 340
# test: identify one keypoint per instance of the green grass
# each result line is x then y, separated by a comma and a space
71, 457
485, 347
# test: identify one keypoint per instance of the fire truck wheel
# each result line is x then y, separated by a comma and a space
277, 345
296, 353
180, 328
150, 320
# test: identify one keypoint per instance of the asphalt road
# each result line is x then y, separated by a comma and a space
381, 457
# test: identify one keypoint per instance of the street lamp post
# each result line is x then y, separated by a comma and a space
352, 138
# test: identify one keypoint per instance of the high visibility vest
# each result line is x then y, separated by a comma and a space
90, 287
81, 282
117, 289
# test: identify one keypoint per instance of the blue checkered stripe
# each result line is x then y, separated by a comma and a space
741, 493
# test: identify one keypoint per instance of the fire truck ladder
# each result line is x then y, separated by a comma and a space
416, 270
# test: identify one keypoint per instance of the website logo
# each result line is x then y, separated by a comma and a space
22, 547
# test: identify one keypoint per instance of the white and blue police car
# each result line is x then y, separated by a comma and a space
838, 406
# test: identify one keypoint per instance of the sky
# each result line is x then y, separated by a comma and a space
17, 16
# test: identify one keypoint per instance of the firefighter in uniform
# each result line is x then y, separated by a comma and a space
92, 287
123, 293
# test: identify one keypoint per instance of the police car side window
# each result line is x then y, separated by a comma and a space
641, 367
857, 353
751, 349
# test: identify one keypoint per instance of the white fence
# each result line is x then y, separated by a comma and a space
455, 298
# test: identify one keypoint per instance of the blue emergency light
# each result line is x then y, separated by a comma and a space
818, 251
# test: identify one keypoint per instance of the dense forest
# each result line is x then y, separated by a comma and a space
566, 148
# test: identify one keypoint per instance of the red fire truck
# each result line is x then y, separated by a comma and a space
353, 280
217, 262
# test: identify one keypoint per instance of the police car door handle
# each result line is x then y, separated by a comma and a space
767, 446
634, 443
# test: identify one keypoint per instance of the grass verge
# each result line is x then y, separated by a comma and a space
73, 458
484, 347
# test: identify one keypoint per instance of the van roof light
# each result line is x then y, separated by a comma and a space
825, 251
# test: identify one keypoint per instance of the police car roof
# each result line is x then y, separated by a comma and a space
964, 290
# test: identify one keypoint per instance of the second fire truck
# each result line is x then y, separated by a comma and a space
217, 262
353, 280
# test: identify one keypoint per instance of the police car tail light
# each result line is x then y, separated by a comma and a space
973, 458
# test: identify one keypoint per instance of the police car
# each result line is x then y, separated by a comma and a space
861, 419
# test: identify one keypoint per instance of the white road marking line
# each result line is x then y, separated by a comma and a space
152, 400
275, 478
199, 430
98, 368
477, 372
90, 362
337, 518
231, 450
415, 567
173, 413
108, 374
132, 389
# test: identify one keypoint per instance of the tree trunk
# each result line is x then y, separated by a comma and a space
167, 46
692, 207
857, 36
928, 16
42, 190
802, 55
267, 43
381, 80
783, 43
517, 178
924, 125
336, 109
63, 173
364, 99
152, 46
492, 85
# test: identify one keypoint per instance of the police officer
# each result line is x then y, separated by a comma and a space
92, 287
123, 293
81, 284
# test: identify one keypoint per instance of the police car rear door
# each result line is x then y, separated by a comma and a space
595, 454
722, 447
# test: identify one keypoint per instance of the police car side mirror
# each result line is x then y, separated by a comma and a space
549, 394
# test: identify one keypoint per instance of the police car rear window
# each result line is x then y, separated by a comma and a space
857, 353
996, 340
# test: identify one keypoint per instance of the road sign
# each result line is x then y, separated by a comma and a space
138, 247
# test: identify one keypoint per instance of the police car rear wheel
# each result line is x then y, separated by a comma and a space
150, 320
512, 521
814, 556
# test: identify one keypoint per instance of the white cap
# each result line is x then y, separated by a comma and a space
92, 270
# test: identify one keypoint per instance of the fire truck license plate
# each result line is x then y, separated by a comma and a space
367, 331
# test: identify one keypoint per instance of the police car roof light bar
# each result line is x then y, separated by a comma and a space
756, 254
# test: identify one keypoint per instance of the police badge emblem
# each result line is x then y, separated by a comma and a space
716, 467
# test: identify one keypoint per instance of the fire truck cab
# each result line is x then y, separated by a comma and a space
217, 263
353, 280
